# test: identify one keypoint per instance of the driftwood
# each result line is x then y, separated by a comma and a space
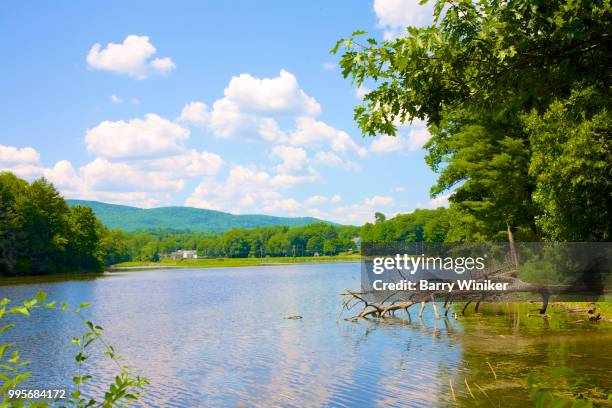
383, 307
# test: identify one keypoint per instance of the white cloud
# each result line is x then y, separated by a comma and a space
280, 94
245, 186
440, 201
104, 175
189, 163
63, 176
311, 132
270, 131
119, 100
320, 200
249, 102
118, 183
152, 136
292, 158
361, 91
284, 206
399, 189
10, 155
132, 57
409, 137
331, 159
163, 65
362, 212
387, 144
195, 112
24, 162
395, 15
378, 200
418, 137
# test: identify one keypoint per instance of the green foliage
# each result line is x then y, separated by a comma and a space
418, 226
40, 234
126, 388
182, 218
572, 164
516, 96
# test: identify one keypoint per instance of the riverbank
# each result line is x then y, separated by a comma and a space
234, 262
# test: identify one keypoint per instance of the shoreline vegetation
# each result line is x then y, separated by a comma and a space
234, 262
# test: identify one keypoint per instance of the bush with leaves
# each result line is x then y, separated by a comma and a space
126, 388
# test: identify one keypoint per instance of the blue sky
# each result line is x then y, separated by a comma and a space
236, 106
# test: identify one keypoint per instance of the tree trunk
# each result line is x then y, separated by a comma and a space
513, 253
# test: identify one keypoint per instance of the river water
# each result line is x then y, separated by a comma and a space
221, 337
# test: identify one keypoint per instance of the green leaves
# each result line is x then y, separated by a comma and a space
126, 387
474, 76
41, 296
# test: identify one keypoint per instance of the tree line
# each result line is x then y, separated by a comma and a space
517, 99
40, 234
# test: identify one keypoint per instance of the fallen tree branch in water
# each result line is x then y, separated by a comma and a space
375, 305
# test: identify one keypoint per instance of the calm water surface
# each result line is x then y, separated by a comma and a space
220, 337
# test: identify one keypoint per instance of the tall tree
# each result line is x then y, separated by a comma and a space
474, 76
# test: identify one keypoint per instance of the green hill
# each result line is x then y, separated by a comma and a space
182, 218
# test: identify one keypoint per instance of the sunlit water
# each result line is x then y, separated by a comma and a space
221, 337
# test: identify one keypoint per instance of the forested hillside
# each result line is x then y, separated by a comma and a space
182, 218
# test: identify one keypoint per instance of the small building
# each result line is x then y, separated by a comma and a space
184, 254
357, 242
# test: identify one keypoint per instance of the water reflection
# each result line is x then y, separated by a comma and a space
220, 337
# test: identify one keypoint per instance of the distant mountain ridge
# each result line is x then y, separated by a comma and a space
183, 218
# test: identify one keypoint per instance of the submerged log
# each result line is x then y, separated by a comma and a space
373, 305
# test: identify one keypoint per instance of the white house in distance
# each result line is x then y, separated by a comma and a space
184, 254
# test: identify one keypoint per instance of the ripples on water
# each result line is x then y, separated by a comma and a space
220, 337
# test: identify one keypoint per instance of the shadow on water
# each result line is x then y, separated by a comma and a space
221, 337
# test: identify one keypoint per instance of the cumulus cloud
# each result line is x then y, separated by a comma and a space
115, 99
119, 183
195, 112
252, 106
292, 158
152, 136
311, 132
188, 163
281, 94
64, 176
11, 155
104, 175
395, 15
24, 162
387, 144
410, 137
331, 159
440, 201
132, 57
250, 102
321, 200
362, 212
245, 186
163, 65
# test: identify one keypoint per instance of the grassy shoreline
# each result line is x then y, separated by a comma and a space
235, 262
